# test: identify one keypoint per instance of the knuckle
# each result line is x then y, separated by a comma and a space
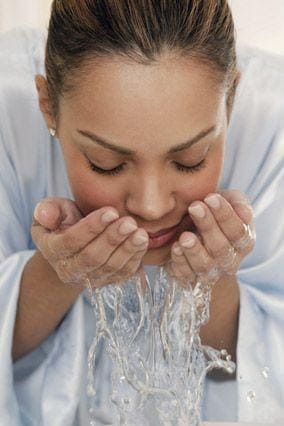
112, 239
178, 275
207, 226
46, 247
128, 270
180, 260
206, 266
108, 269
249, 247
221, 251
87, 260
238, 233
62, 270
68, 243
137, 256
225, 215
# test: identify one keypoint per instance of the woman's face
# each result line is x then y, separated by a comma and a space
147, 140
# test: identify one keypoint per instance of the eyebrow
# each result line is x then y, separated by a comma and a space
126, 151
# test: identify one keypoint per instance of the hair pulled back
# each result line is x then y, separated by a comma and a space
141, 30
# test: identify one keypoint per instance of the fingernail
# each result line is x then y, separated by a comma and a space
109, 216
127, 228
177, 251
213, 201
40, 211
139, 238
242, 200
197, 211
37, 211
189, 242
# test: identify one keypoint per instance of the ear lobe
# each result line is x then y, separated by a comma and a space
238, 78
44, 101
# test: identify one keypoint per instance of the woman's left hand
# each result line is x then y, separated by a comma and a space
225, 235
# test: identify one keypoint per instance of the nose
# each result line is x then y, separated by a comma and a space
150, 198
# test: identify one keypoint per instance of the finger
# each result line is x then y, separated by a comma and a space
124, 260
240, 203
212, 235
53, 213
116, 272
229, 222
180, 265
131, 267
196, 254
99, 251
71, 241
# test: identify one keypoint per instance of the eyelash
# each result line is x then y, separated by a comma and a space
118, 169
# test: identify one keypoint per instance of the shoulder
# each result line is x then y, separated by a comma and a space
21, 58
262, 81
22, 45
23, 134
256, 130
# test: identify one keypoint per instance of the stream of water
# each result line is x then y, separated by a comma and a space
151, 330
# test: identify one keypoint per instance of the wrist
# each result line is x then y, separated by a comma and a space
50, 275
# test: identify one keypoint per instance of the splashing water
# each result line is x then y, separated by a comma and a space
151, 330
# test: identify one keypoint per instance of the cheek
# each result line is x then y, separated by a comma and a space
201, 184
90, 191
90, 195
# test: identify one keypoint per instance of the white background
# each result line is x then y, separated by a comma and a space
258, 22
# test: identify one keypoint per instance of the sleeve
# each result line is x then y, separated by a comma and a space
260, 351
44, 387
254, 164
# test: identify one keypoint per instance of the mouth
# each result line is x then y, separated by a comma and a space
161, 232
168, 236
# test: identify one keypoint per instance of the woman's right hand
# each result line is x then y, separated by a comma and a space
101, 246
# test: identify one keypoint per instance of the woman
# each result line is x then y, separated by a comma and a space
149, 116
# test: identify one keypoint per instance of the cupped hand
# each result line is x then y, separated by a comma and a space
101, 246
225, 236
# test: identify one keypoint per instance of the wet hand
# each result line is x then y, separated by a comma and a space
225, 235
101, 246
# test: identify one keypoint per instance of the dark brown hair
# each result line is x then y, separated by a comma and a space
141, 30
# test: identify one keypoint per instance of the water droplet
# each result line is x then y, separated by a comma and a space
265, 372
91, 391
250, 396
224, 352
228, 358
126, 401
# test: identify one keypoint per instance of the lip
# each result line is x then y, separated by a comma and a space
162, 239
161, 232
169, 235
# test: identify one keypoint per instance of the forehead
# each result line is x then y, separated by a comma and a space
124, 98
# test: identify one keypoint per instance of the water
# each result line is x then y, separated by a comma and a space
151, 330
251, 396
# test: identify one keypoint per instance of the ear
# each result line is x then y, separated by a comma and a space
45, 102
232, 94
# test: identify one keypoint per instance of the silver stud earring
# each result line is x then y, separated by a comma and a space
52, 132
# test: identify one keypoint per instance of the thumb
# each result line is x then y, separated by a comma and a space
56, 213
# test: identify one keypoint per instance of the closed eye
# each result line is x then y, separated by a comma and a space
118, 169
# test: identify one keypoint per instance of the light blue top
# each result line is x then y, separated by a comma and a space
47, 387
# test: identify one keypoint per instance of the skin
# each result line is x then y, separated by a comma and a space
149, 110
